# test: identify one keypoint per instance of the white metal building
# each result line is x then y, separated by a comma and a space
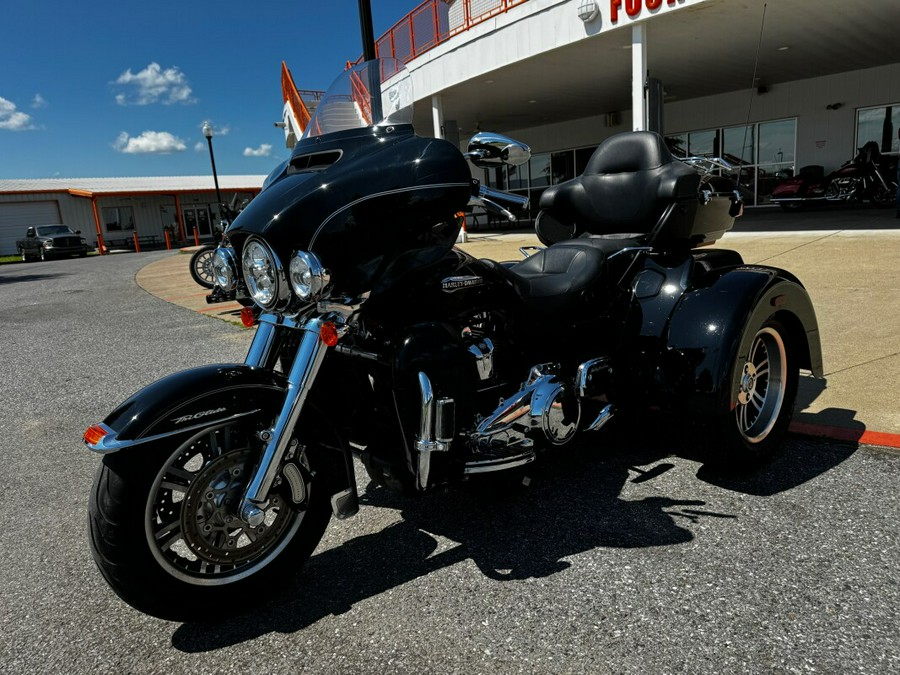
562, 75
118, 208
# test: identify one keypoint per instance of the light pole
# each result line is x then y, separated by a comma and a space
208, 132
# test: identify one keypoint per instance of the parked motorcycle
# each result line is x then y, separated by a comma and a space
379, 340
857, 180
201, 264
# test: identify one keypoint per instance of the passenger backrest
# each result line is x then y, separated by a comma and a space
629, 181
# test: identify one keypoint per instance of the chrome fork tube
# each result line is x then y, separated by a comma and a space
303, 373
262, 342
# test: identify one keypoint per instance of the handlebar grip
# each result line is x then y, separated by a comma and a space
513, 202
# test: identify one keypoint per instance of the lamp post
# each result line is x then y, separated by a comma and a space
208, 132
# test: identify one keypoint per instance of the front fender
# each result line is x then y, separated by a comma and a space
713, 326
187, 401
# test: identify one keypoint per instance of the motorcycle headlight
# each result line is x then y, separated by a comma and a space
309, 278
262, 274
225, 269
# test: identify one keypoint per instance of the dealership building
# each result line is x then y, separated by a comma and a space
776, 86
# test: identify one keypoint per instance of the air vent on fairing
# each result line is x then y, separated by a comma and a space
314, 161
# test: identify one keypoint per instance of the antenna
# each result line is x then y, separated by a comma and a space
737, 180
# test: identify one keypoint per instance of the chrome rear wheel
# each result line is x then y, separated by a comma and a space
763, 384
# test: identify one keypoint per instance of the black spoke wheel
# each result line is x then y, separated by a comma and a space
202, 266
884, 197
166, 535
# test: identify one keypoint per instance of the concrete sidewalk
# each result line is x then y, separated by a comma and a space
848, 259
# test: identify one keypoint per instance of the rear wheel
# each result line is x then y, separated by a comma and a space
762, 398
166, 535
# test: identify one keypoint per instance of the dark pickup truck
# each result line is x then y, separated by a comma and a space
50, 241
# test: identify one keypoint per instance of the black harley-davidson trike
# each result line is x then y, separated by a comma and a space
378, 340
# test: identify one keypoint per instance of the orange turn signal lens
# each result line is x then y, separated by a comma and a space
94, 434
247, 317
329, 334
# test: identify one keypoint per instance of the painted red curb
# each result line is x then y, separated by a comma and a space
844, 434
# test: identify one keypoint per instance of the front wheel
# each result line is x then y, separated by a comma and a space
761, 401
202, 266
165, 534
884, 197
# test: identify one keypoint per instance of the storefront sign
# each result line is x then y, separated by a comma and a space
634, 8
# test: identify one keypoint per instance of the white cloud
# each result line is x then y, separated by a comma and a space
13, 119
154, 85
263, 150
149, 142
199, 146
38, 102
217, 131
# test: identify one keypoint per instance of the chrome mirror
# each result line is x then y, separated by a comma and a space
487, 149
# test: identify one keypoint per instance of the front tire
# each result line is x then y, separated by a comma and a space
202, 266
165, 534
761, 401
884, 197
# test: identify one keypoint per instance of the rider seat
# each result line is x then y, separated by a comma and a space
627, 197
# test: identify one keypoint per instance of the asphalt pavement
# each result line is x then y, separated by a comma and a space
624, 555
847, 257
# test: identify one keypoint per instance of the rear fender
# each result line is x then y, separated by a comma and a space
188, 401
713, 326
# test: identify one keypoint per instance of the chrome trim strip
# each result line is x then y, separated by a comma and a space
111, 443
425, 443
350, 205
489, 465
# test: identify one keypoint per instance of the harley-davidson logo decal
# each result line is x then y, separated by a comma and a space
197, 416
451, 284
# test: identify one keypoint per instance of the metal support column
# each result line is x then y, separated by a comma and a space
638, 76
437, 115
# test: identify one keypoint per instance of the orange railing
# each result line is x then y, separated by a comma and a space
362, 97
435, 21
292, 96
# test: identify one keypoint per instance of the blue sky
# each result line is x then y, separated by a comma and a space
118, 88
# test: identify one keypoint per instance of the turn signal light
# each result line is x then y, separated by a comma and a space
94, 434
247, 317
329, 334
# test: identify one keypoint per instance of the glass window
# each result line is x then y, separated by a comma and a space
540, 170
776, 141
704, 143
678, 144
118, 218
739, 143
582, 157
880, 125
517, 176
562, 166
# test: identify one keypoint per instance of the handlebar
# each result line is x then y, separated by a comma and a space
498, 202
707, 165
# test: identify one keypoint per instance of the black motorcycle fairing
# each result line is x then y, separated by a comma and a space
198, 397
384, 206
711, 324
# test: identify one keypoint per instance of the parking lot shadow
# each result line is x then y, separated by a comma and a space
573, 506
